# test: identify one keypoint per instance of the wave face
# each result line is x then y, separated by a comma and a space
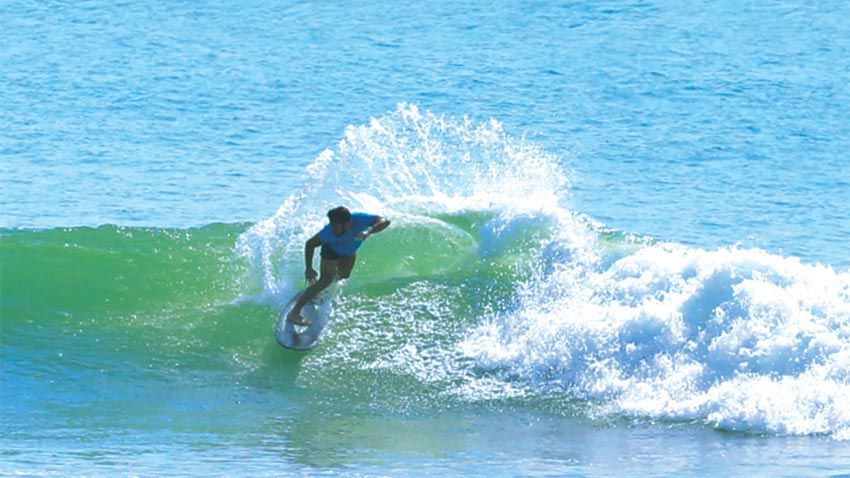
487, 289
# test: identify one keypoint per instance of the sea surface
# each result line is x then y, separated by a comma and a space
620, 240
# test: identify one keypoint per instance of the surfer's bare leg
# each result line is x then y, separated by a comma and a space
328, 270
344, 266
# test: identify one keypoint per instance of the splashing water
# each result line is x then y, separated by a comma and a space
489, 287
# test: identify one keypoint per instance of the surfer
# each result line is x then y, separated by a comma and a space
340, 239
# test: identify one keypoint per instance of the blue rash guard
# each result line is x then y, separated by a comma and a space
346, 245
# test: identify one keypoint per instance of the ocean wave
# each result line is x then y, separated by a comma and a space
501, 291
487, 287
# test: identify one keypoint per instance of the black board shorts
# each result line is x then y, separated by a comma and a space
330, 254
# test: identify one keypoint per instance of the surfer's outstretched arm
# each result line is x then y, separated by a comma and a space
379, 225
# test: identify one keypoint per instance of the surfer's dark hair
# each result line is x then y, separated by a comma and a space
339, 215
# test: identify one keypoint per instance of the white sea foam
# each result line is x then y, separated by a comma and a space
741, 339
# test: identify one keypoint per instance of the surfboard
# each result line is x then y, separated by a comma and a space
300, 337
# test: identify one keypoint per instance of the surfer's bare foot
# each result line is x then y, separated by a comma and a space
297, 319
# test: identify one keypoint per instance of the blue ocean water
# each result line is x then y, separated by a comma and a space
620, 241
706, 124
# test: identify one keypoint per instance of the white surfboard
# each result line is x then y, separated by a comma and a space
300, 337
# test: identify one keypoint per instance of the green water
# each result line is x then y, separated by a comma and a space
109, 322
159, 340
139, 351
